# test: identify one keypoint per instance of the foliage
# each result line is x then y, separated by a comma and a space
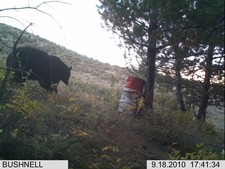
81, 123
201, 153
165, 124
60, 126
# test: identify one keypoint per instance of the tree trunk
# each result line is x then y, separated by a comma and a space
150, 83
179, 94
151, 58
206, 84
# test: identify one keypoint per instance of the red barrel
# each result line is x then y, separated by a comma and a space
133, 88
135, 83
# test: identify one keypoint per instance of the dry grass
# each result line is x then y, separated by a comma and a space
81, 122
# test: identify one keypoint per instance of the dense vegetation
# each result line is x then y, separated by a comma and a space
81, 122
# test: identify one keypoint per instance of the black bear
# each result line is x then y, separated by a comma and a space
33, 64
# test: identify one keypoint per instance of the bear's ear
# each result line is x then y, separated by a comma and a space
70, 68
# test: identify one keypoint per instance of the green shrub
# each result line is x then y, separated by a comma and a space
201, 153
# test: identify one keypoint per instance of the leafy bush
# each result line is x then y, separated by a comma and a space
201, 153
37, 125
81, 124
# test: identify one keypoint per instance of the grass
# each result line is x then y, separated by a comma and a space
81, 124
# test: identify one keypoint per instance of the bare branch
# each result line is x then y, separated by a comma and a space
37, 8
18, 39
9, 17
33, 7
3, 85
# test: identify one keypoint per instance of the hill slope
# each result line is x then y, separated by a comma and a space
81, 123
90, 71
85, 69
